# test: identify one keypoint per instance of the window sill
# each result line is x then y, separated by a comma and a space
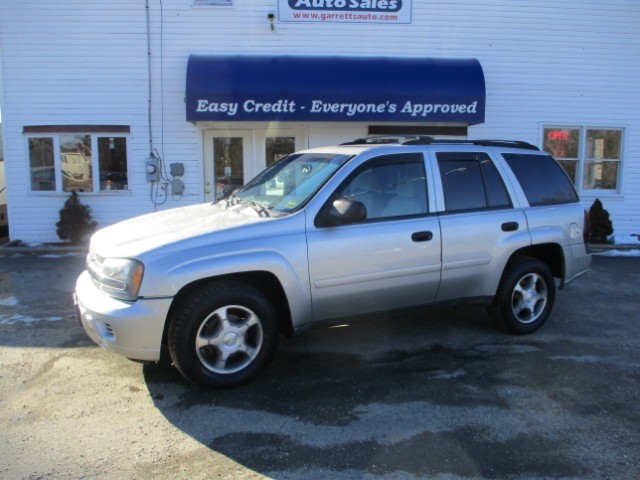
591, 195
102, 193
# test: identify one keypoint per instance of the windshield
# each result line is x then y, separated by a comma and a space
287, 184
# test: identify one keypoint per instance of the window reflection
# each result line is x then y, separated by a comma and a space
278, 147
41, 164
602, 159
228, 169
112, 162
595, 154
70, 157
75, 163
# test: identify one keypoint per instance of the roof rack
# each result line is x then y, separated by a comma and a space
381, 139
485, 143
424, 140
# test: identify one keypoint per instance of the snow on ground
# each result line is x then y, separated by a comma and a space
16, 318
8, 302
619, 253
626, 241
13, 318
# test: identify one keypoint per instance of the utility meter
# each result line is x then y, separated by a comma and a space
153, 172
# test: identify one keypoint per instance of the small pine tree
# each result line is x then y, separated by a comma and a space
75, 220
601, 226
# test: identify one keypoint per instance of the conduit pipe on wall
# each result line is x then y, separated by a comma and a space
151, 154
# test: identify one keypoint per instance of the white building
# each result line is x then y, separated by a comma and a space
93, 93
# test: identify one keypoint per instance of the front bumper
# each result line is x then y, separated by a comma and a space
133, 330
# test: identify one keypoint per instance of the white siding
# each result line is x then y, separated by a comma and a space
85, 62
73, 62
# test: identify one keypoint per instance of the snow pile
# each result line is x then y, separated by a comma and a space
625, 240
619, 253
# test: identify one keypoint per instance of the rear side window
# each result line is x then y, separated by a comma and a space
471, 182
544, 181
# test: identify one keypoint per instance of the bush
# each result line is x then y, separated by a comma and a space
75, 220
601, 226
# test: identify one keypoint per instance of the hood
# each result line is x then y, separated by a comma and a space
142, 234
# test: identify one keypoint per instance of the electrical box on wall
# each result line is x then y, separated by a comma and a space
177, 169
177, 187
153, 172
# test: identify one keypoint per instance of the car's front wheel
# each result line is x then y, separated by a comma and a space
222, 334
525, 296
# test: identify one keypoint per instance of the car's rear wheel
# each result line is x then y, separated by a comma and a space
525, 296
222, 334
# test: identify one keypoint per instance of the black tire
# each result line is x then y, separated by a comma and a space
223, 334
525, 296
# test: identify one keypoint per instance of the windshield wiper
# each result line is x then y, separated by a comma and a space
232, 200
261, 209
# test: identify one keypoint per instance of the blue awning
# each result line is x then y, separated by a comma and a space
329, 89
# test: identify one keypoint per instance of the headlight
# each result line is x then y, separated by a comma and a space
118, 277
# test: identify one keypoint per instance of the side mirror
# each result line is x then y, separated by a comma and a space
344, 212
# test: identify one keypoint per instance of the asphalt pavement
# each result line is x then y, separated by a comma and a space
429, 394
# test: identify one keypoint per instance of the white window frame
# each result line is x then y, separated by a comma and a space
95, 162
582, 156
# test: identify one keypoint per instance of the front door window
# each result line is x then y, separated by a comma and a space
278, 147
228, 169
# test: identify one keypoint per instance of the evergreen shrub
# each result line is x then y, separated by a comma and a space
75, 220
601, 226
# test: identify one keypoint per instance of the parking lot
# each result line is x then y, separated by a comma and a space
430, 394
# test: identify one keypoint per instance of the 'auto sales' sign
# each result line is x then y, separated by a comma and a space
345, 11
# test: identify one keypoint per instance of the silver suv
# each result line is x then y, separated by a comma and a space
334, 233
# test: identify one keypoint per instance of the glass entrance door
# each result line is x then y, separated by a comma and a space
233, 157
228, 160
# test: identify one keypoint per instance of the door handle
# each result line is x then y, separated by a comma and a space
510, 226
422, 236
